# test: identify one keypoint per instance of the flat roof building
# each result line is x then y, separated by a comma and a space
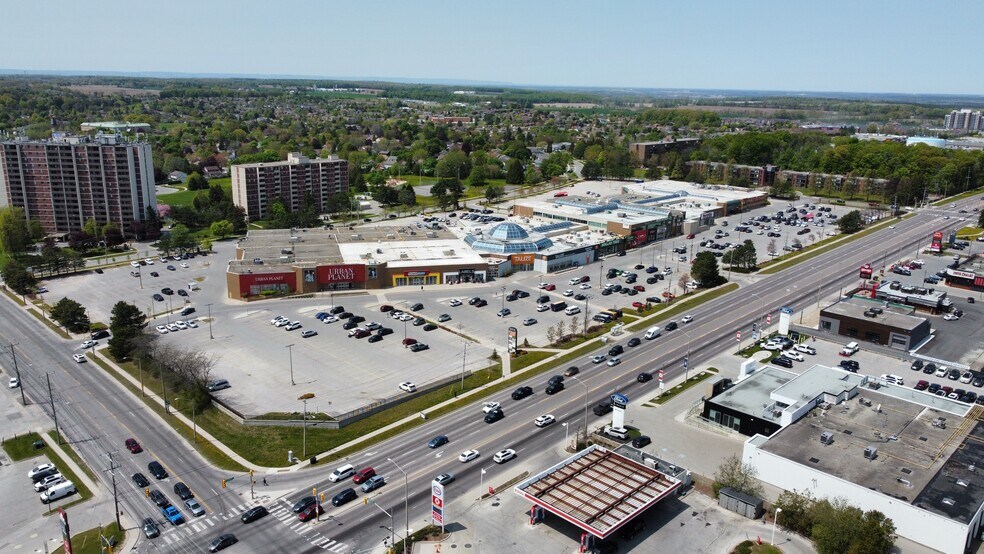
64, 182
256, 186
883, 323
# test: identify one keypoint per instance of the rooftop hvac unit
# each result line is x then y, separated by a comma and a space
379, 250
404, 256
356, 237
431, 235
651, 463
449, 253
827, 438
621, 214
870, 453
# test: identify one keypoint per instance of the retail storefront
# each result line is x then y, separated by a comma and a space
411, 278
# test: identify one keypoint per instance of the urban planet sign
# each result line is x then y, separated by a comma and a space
620, 400
341, 273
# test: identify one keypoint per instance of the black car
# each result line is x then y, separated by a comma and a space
158, 297
521, 393
223, 541
357, 319
641, 441
437, 441
654, 300
633, 342
253, 514
929, 369
417, 307
671, 326
615, 350
335, 310
344, 497
96, 335
303, 503
150, 528
349, 325
511, 298
182, 292
375, 338
606, 292
494, 415
187, 311
850, 365
383, 331
159, 498
652, 281
481, 302
167, 290
953, 375
344, 315
978, 381
474, 300
183, 491
916, 365
573, 370
157, 470
644, 377
556, 379
603, 408
419, 321
141, 480
554, 387
783, 362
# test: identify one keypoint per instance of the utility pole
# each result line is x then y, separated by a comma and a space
54, 415
116, 499
167, 406
464, 356
140, 365
209, 306
17, 371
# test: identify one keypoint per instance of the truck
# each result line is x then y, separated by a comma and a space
558, 306
850, 349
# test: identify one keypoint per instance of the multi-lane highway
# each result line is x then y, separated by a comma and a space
97, 414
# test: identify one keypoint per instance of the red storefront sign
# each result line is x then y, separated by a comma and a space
349, 273
247, 280
639, 237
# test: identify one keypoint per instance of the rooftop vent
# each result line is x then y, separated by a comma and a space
870, 453
404, 256
356, 237
948, 501
963, 483
827, 438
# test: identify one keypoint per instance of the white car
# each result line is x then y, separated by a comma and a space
135, 264
544, 420
468, 455
950, 317
687, 318
79, 358
408, 387
329, 319
89, 343
181, 325
942, 371
277, 320
162, 259
667, 271
293, 325
568, 292
542, 307
614, 361
489, 406
14, 382
793, 355
406, 317
455, 302
585, 286
504, 455
967, 377
192, 323
185, 265
396, 314
48, 481
541, 286
770, 345
161, 329
281, 323
529, 321
149, 261
805, 349
172, 328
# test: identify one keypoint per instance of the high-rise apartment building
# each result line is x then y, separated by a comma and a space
255, 186
64, 182
964, 120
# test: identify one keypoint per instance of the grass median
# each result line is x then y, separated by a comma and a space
87, 542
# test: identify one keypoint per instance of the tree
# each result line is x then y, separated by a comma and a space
477, 176
551, 335
772, 248
181, 238
112, 235
683, 280
705, 270
221, 229
453, 165
493, 192
574, 325
797, 511
851, 222
92, 228
980, 220
197, 182
737, 475
514, 172
18, 278
126, 324
407, 196
71, 315
15, 233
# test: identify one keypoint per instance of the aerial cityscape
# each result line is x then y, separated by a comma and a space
536, 278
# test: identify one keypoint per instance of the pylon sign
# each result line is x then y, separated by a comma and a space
437, 503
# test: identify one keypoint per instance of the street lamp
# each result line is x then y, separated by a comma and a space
304, 398
290, 355
585, 405
774, 520
586, 298
406, 499
686, 361
503, 289
209, 306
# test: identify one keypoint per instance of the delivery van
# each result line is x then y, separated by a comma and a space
652, 333
58, 492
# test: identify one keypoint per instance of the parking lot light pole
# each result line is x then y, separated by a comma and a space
601, 272
209, 306
686, 361
406, 499
774, 520
503, 288
304, 398
585, 405
290, 356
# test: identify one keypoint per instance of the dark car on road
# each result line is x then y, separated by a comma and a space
141, 480
554, 387
494, 415
183, 491
253, 514
437, 441
573, 370
303, 503
150, 528
633, 342
644, 377
522, 392
157, 470
671, 326
158, 498
96, 335
223, 541
344, 497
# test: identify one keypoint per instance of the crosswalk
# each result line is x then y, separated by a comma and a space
280, 510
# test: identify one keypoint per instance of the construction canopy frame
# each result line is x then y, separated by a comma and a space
597, 490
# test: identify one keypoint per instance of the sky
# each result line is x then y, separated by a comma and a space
877, 46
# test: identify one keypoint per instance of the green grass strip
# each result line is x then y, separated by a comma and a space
87, 542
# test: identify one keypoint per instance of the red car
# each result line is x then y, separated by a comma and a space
408, 341
133, 446
363, 474
559, 194
639, 288
922, 385
691, 235
550, 287
638, 305
311, 512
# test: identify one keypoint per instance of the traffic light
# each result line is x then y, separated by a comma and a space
251, 473
365, 500
223, 483
147, 492
322, 497
314, 491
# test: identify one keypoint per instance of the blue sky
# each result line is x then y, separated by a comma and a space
835, 45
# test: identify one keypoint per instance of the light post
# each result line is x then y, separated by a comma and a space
601, 272
290, 356
168, 315
304, 398
585, 405
566, 434
406, 499
586, 298
503, 289
209, 306
774, 520
686, 361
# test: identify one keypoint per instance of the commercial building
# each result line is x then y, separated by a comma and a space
67, 181
270, 262
964, 120
880, 322
255, 186
909, 454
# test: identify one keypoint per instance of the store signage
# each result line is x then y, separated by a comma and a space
522, 259
341, 273
415, 273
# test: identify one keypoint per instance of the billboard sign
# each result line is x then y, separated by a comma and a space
937, 244
437, 503
66, 532
620, 400
513, 340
